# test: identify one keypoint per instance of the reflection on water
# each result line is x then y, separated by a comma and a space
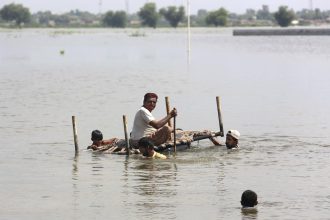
75, 183
155, 185
274, 91
248, 214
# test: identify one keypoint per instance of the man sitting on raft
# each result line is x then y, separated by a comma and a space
145, 124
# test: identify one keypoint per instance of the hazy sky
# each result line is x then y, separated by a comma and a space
60, 6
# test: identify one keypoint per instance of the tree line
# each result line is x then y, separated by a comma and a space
148, 15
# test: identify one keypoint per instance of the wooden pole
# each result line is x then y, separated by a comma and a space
174, 133
126, 134
219, 116
168, 109
188, 31
75, 136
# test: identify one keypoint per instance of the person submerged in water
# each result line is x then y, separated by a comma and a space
232, 139
113, 144
249, 200
146, 147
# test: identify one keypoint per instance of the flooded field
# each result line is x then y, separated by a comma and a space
274, 90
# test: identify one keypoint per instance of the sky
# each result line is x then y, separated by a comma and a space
237, 6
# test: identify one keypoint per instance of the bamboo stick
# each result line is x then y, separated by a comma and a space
126, 134
198, 138
168, 109
188, 32
174, 134
202, 137
220, 116
75, 136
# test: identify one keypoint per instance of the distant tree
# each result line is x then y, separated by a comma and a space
107, 18
119, 19
250, 14
115, 19
83, 16
149, 15
63, 19
15, 12
318, 14
283, 16
264, 13
306, 14
217, 18
173, 14
202, 13
200, 18
44, 18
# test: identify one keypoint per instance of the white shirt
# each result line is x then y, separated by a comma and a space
141, 127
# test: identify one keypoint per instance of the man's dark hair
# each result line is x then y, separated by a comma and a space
149, 96
146, 142
97, 135
249, 198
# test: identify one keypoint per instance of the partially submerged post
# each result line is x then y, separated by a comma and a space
188, 31
75, 136
174, 133
219, 116
126, 134
168, 109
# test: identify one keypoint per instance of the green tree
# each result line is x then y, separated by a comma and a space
149, 15
318, 14
43, 18
15, 12
264, 13
115, 19
217, 18
173, 14
283, 16
250, 14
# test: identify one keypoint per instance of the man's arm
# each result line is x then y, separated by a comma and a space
160, 123
110, 141
215, 141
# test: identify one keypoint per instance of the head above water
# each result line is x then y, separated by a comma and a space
149, 101
146, 146
149, 95
249, 198
146, 143
234, 133
96, 135
232, 139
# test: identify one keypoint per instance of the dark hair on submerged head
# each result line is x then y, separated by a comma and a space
146, 142
97, 135
249, 198
149, 96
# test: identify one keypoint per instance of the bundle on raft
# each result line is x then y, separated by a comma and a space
185, 138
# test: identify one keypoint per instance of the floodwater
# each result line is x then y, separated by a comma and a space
274, 90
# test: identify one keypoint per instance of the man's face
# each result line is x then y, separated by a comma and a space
230, 142
150, 104
97, 142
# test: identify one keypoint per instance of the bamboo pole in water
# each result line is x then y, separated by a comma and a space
126, 134
168, 109
174, 133
220, 116
188, 31
75, 136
